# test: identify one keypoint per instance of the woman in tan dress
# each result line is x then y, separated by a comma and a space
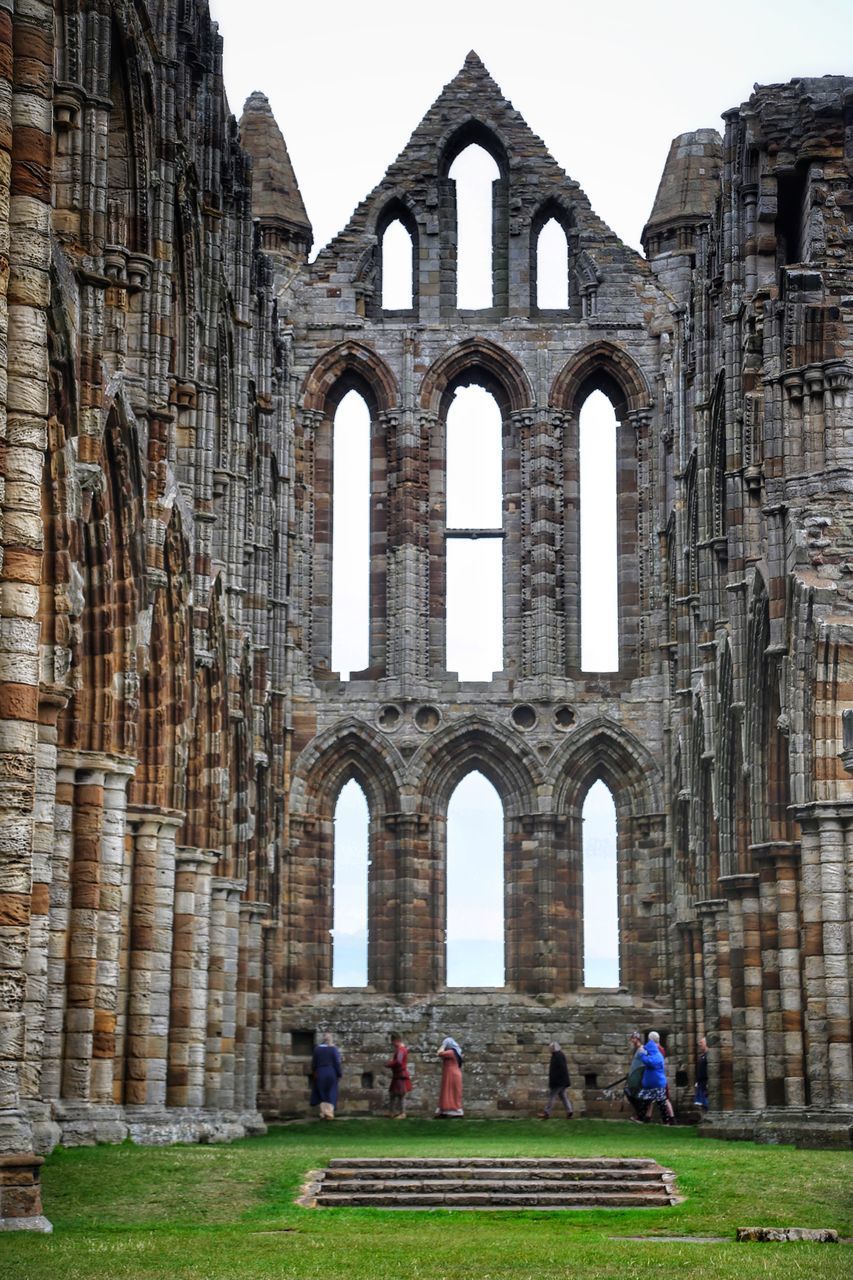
450, 1097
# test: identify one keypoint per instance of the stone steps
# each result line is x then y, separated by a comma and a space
483, 1183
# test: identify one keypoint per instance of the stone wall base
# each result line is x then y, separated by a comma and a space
800, 1127
20, 1193
81, 1124
504, 1037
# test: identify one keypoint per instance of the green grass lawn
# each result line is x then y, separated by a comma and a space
227, 1212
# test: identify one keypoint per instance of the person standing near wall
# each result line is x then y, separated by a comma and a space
401, 1081
701, 1092
558, 1082
326, 1072
450, 1096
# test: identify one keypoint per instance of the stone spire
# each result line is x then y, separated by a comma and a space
688, 189
276, 199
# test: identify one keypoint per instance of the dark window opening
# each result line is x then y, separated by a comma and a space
302, 1043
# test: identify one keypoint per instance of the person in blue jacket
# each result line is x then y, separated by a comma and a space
326, 1071
653, 1088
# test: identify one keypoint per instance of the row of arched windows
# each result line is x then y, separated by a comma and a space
474, 535
474, 918
474, 173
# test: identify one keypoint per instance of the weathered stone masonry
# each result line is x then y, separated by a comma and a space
172, 738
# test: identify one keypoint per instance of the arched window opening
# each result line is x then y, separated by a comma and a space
474, 542
552, 267
351, 536
599, 576
474, 171
349, 893
397, 268
600, 890
475, 885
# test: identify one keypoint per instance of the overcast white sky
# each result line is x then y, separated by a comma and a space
607, 87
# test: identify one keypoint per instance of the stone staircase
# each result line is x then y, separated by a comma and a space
504, 1183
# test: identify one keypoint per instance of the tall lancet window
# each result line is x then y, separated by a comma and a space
552, 267
351, 536
600, 890
475, 885
397, 268
349, 929
474, 171
599, 572
474, 536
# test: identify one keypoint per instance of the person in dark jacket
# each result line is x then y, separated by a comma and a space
326, 1071
701, 1093
558, 1082
653, 1088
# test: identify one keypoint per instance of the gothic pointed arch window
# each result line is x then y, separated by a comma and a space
350, 888
397, 273
550, 259
474, 219
475, 885
599, 569
600, 889
603, 525
474, 535
351, 535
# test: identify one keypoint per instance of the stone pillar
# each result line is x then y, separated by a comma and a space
748, 1003
712, 914
222, 993
60, 910
762, 857
248, 1029
37, 951
790, 973
190, 959
405, 940
836, 864
81, 971
109, 934
26, 122
549, 959
152, 916
826, 945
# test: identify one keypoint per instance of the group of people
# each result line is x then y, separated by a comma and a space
645, 1083
326, 1073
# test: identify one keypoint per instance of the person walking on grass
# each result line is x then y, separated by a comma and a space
401, 1081
450, 1096
558, 1082
634, 1080
326, 1072
653, 1088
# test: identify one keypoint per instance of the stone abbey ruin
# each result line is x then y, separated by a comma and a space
173, 738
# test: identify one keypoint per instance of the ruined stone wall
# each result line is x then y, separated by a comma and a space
759, 607
144, 464
172, 737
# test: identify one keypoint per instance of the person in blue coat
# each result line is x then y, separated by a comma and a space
325, 1073
653, 1088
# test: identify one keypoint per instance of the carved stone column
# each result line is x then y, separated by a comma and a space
746, 991
826, 862
412, 935
713, 916
152, 921
248, 1004
222, 992
190, 958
